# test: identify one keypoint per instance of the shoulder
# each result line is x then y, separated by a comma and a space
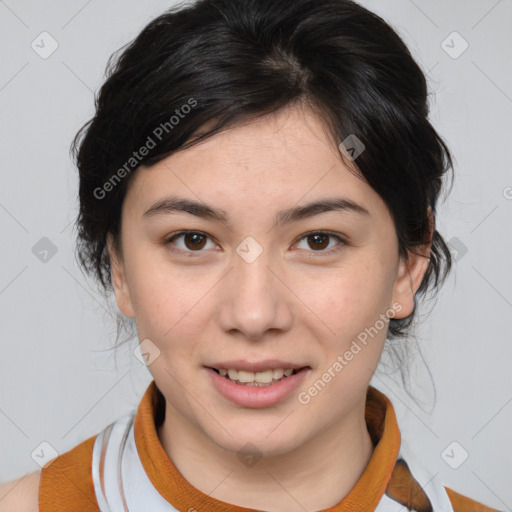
462, 503
21, 495
66, 481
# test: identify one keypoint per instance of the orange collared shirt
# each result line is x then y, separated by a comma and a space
67, 483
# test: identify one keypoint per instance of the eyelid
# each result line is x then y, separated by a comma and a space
169, 239
343, 241
338, 236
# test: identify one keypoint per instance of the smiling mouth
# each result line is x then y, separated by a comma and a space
257, 379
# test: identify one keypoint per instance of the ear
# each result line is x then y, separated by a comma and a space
411, 273
119, 282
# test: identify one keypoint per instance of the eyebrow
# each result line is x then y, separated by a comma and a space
178, 204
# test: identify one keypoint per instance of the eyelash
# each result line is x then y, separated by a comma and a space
167, 242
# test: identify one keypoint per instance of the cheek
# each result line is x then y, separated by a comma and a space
351, 306
349, 299
171, 304
157, 298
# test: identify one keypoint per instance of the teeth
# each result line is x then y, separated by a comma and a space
244, 376
263, 377
278, 374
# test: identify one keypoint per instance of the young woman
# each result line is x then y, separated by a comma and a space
258, 187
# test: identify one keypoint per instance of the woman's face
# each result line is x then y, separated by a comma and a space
247, 290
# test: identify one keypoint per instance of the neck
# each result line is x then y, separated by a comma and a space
314, 476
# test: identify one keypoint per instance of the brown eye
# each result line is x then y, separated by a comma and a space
318, 241
192, 242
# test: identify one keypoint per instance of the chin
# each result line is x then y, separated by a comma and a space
267, 443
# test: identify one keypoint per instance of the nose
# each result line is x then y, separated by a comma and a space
255, 299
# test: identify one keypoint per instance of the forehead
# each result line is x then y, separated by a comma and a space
274, 161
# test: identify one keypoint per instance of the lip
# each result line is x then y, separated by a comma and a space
267, 364
256, 397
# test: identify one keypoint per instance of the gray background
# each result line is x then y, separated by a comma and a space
59, 383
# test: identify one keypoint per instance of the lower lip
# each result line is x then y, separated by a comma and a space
253, 396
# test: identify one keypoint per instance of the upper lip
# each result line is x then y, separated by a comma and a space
267, 364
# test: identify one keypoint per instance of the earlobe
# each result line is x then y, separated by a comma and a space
119, 282
411, 273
